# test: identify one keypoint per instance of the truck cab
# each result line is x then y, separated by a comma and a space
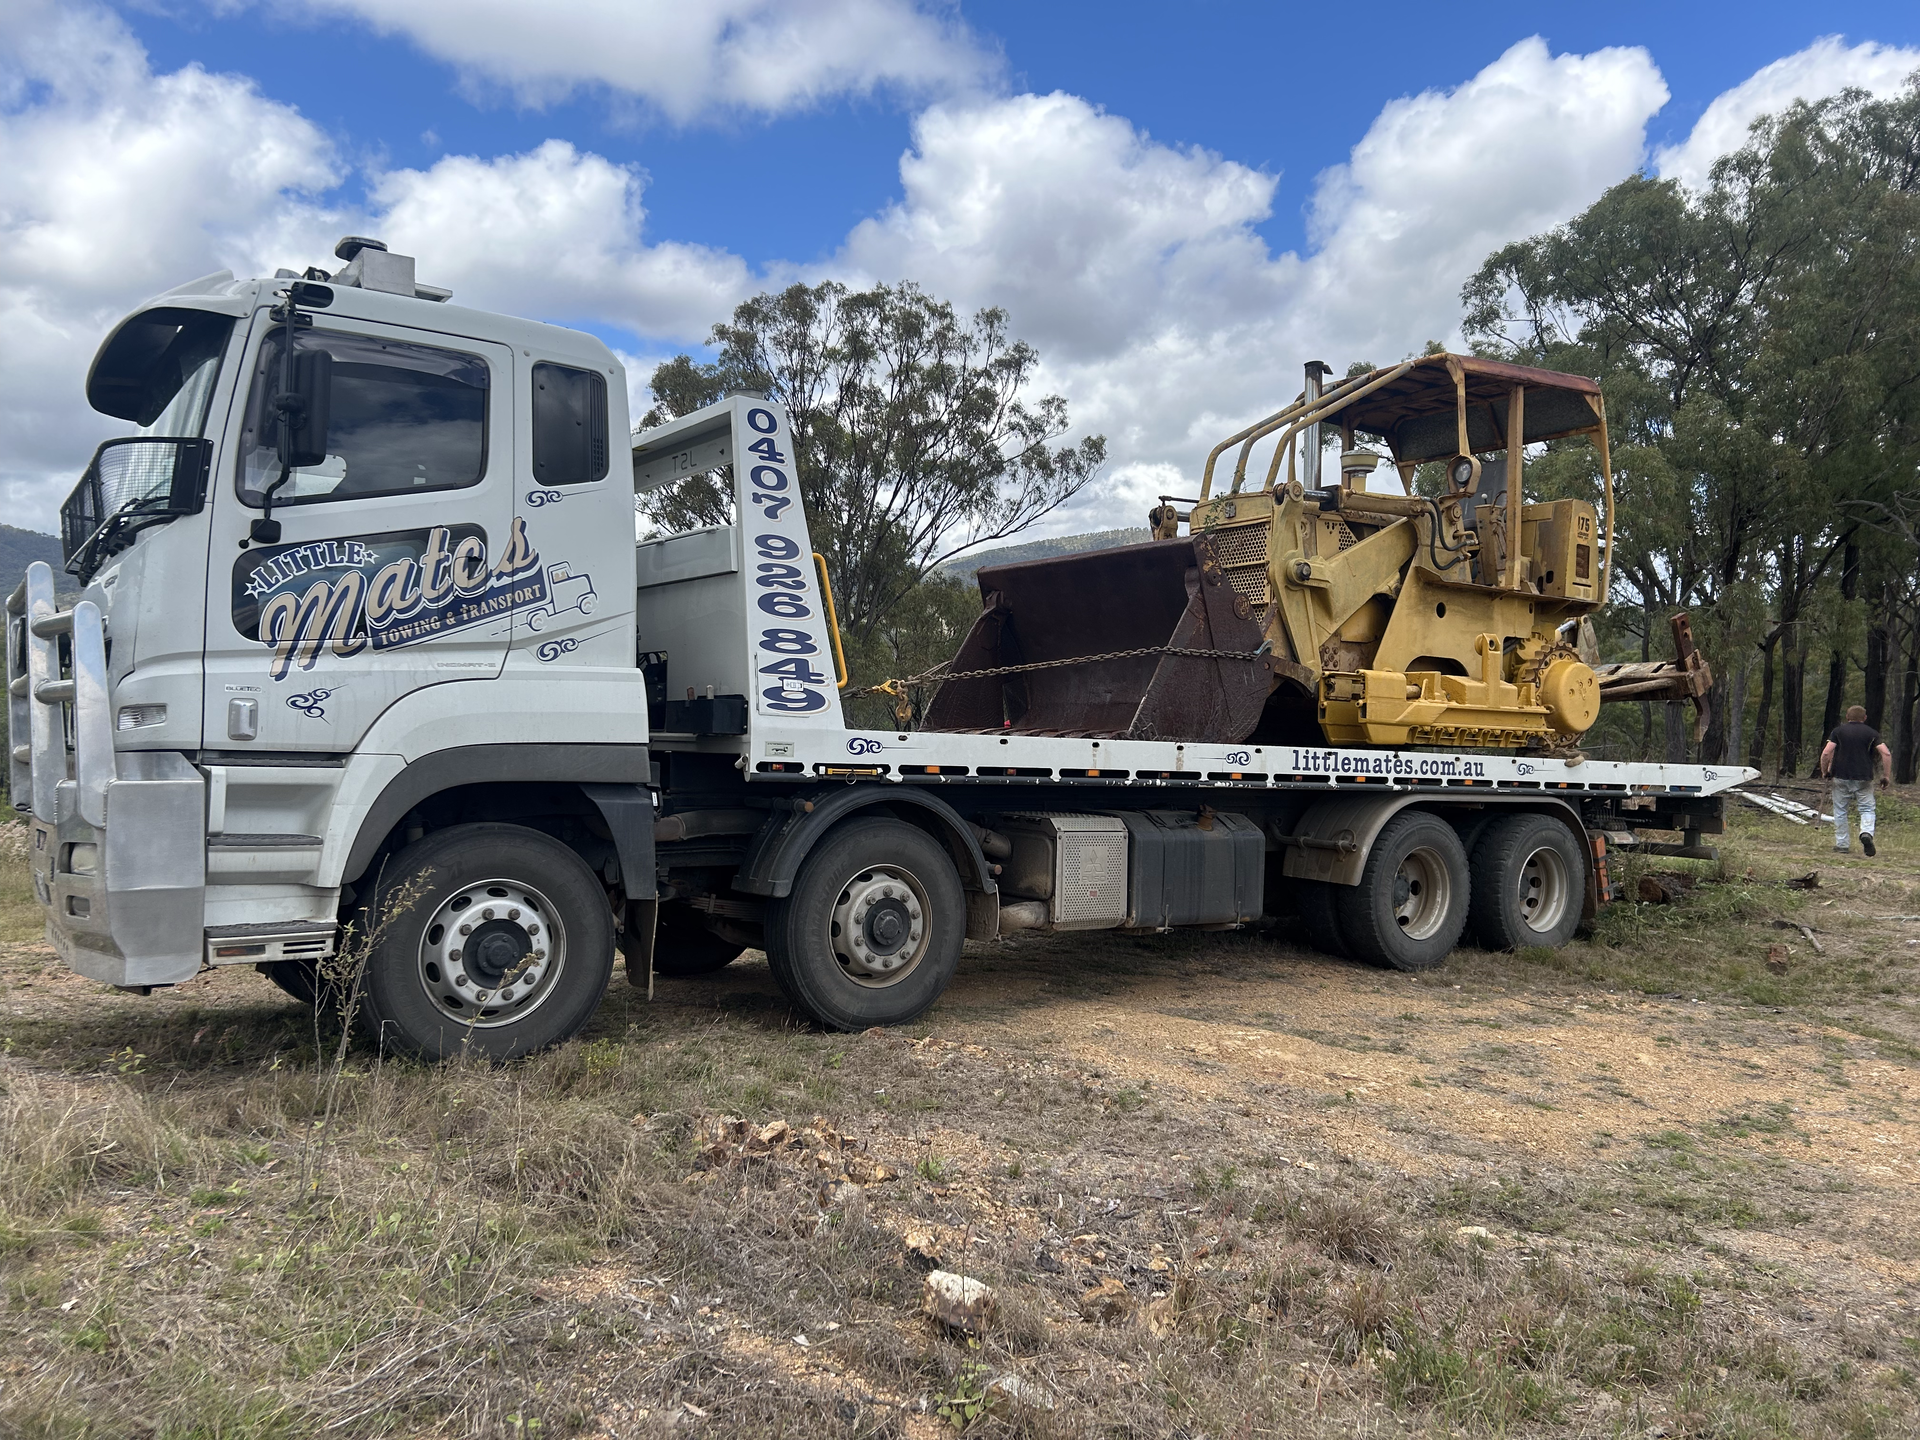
443, 575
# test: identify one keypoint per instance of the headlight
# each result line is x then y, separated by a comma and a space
1464, 472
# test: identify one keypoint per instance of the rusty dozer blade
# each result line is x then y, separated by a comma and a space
1686, 677
1082, 609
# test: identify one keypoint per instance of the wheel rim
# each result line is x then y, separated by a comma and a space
1545, 890
492, 953
1422, 893
879, 926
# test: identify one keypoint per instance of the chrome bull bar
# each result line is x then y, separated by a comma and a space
124, 903
36, 690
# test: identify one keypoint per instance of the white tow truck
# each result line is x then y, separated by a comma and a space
366, 646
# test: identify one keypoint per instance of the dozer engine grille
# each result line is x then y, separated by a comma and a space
1243, 555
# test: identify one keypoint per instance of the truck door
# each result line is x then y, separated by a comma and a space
398, 555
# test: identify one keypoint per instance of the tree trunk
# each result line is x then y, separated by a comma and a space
1836, 692
1736, 722
1837, 668
1713, 744
1676, 731
1646, 706
1793, 707
1879, 659
1903, 722
1756, 753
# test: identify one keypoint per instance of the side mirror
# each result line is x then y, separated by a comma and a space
305, 410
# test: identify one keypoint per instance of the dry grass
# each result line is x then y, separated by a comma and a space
214, 1224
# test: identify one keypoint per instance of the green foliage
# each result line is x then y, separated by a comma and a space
965, 1398
913, 438
1757, 341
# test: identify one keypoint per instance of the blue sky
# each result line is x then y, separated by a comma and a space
1284, 88
1177, 204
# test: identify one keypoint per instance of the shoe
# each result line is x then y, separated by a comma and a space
1866, 844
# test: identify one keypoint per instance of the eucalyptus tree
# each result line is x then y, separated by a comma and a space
1759, 342
914, 434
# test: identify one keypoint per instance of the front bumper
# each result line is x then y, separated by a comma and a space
119, 840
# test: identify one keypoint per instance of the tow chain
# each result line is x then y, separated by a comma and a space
897, 688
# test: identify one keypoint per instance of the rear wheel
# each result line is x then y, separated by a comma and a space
1529, 883
872, 931
1411, 903
486, 939
1319, 919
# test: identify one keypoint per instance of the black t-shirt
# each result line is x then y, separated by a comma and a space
1853, 747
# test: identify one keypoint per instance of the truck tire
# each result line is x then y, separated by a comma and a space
314, 984
1319, 918
1411, 903
488, 939
298, 978
682, 944
1529, 883
872, 931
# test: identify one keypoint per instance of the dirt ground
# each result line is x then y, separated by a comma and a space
1660, 1183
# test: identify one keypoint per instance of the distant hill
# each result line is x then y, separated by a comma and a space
964, 567
20, 548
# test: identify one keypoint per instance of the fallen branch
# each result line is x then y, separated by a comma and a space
1806, 930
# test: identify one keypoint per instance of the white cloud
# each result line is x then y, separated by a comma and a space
1083, 227
693, 60
1136, 269
553, 233
1824, 68
116, 183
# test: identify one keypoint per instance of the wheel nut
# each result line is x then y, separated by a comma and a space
466, 929
487, 914
534, 928
453, 954
513, 914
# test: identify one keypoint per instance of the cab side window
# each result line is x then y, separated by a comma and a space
403, 418
569, 425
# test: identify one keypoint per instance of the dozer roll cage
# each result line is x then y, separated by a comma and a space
1439, 407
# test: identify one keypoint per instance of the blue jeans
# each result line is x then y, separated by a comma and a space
1859, 795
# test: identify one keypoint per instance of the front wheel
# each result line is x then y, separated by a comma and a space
872, 931
488, 939
1529, 883
1411, 903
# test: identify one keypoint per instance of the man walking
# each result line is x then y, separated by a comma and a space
1848, 758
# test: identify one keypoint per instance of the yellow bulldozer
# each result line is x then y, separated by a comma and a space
1357, 609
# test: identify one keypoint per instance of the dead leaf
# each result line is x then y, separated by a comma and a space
1106, 1302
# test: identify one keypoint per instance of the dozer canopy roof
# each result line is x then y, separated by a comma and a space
1416, 413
